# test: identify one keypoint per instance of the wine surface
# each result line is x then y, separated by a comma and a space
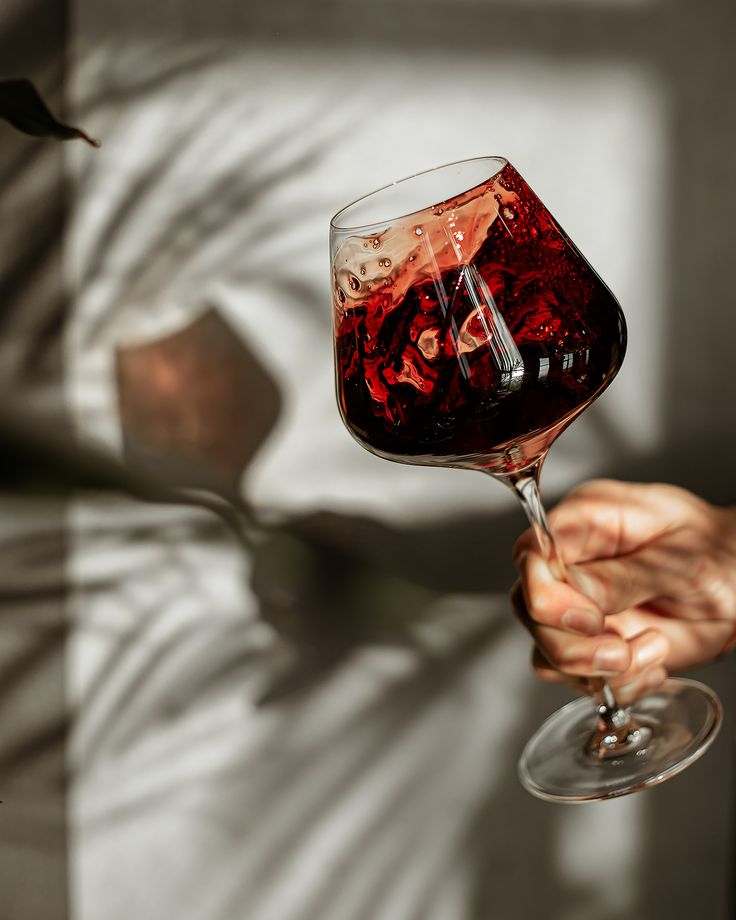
472, 333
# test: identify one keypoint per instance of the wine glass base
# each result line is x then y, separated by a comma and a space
675, 725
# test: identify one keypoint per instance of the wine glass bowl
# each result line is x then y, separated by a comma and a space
469, 332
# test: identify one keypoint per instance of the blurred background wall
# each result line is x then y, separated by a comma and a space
322, 723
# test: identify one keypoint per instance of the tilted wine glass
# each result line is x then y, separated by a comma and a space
469, 333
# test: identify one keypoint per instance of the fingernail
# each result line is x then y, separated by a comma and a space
654, 650
610, 659
582, 621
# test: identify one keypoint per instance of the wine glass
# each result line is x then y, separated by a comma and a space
469, 333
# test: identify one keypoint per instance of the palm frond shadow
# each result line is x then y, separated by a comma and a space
37, 553
132, 701
25, 160
411, 695
34, 728
357, 753
31, 331
120, 681
138, 85
177, 137
239, 188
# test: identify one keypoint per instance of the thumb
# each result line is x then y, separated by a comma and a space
623, 581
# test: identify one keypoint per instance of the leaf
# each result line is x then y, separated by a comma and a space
23, 107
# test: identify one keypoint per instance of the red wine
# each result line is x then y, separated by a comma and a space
476, 343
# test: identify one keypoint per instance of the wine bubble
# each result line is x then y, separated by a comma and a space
340, 294
376, 243
418, 231
354, 283
362, 269
508, 212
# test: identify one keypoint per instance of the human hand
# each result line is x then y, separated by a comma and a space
654, 586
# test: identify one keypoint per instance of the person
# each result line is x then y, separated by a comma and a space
652, 586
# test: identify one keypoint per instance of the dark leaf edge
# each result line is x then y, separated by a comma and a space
21, 105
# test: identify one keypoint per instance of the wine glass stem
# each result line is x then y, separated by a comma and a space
526, 486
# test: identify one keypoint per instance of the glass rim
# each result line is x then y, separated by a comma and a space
335, 226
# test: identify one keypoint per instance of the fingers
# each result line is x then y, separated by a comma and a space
607, 655
619, 583
551, 675
633, 542
647, 670
550, 602
632, 663
645, 673
602, 587
690, 642
604, 518
574, 654
598, 519
632, 547
639, 686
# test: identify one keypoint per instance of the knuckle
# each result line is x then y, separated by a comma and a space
707, 581
544, 605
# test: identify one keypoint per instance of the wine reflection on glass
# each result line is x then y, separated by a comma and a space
469, 333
